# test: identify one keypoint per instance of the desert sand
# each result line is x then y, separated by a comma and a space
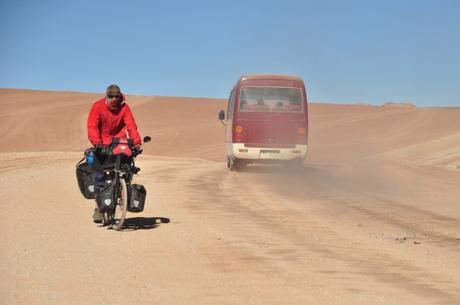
372, 218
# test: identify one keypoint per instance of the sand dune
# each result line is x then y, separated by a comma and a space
372, 218
399, 105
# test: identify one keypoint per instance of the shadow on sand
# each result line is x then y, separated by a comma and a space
144, 223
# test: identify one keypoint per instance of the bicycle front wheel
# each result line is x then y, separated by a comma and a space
121, 205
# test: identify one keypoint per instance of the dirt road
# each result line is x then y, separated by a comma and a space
210, 236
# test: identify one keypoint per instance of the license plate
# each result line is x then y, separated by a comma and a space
269, 154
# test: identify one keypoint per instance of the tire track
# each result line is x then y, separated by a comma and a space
295, 244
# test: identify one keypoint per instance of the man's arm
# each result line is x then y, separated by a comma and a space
94, 134
131, 127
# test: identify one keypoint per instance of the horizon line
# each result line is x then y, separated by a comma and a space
358, 103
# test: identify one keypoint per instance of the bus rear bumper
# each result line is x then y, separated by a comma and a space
239, 151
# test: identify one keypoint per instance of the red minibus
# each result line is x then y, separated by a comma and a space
266, 121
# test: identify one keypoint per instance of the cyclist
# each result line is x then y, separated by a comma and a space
109, 117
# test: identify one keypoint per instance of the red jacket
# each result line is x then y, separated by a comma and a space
105, 124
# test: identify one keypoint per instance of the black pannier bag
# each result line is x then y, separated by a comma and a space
136, 198
85, 178
105, 197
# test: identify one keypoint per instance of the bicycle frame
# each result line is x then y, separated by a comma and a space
120, 174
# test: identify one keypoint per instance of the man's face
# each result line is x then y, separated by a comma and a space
113, 101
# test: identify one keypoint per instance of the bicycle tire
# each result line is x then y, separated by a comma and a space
121, 205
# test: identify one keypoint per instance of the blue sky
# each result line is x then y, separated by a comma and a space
346, 51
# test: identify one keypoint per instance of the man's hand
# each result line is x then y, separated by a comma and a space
137, 150
102, 149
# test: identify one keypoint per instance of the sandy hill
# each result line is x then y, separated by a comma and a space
56, 121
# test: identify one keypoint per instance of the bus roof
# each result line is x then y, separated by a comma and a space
270, 76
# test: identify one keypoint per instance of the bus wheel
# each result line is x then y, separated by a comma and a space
232, 164
236, 164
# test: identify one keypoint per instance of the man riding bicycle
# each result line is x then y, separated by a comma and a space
109, 117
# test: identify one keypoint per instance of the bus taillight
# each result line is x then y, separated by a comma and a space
301, 138
239, 133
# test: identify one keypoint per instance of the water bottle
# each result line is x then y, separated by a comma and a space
90, 157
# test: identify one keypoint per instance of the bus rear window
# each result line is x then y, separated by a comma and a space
270, 99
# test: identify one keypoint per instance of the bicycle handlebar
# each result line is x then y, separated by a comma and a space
107, 149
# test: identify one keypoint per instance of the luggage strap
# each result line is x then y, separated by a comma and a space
84, 157
79, 162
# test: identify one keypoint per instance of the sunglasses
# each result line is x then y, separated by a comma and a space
118, 97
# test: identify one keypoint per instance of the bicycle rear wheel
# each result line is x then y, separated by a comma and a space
121, 205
